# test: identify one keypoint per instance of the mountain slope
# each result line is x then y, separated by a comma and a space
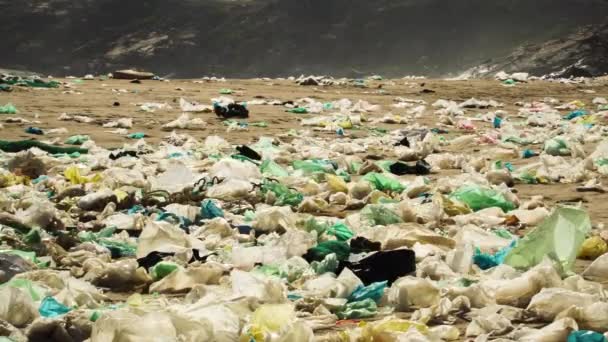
278, 37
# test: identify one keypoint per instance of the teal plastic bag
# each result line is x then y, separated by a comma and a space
486, 261
270, 168
363, 309
379, 215
478, 198
586, 336
559, 236
384, 183
137, 135
50, 307
320, 251
373, 291
210, 210
340, 231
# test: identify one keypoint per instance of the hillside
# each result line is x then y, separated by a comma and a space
189, 38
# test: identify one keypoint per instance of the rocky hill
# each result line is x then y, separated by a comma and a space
245, 38
582, 53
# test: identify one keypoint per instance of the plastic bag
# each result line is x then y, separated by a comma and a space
273, 317
8, 109
314, 166
77, 139
328, 264
557, 147
50, 307
210, 210
408, 291
379, 215
586, 336
383, 330
284, 195
163, 269
270, 168
592, 248
16, 307
559, 237
320, 251
336, 183
548, 303
182, 280
486, 261
384, 183
362, 309
372, 291
598, 270
72, 174
478, 198
340, 231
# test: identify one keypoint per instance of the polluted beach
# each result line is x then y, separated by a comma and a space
149, 195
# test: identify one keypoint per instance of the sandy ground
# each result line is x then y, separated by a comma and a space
96, 98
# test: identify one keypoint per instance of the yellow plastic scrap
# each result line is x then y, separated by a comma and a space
72, 173
453, 208
383, 330
346, 124
272, 317
253, 334
120, 195
336, 183
11, 179
577, 103
593, 248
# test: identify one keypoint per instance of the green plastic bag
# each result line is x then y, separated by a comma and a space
8, 109
77, 139
50, 307
329, 264
298, 110
560, 237
284, 195
384, 183
340, 231
314, 166
270, 168
557, 147
373, 291
162, 269
363, 309
313, 225
320, 251
478, 198
379, 215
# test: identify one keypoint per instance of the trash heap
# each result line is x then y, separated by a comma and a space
304, 238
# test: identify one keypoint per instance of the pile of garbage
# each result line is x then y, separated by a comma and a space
303, 238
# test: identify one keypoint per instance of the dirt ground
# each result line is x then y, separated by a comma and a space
96, 98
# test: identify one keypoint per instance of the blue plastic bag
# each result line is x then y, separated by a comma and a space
50, 307
586, 336
486, 261
209, 210
373, 291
